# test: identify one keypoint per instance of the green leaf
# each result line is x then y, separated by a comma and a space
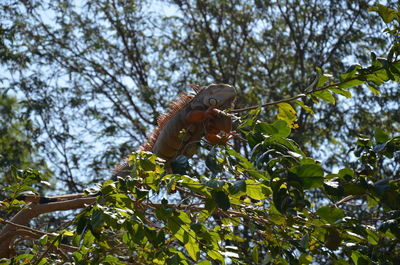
373, 89
304, 240
305, 259
254, 254
346, 173
109, 259
278, 128
212, 162
323, 79
43, 261
246, 164
381, 136
373, 238
332, 239
221, 199
147, 164
195, 185
265, 128
354, 189
184, 217
324, 95
242, 160
238, 186
387, 14
350, 73
210, 204
304, 106
342, 92
354, 236
88, 239
359, 258
276, 217
215, 255
378, 77
288, 114
330, 214
215, 184
97, 219
282, 127
256, 190
351, 83
173, 260
193, 249
311, 175
388, 195
364, 141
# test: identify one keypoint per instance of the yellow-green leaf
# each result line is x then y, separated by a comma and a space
342, 92
325, 95
254, 254
374, 90
387, 14
288, 114
257, 190
304, 106
193, 248
215, 255
323, 79
351, 83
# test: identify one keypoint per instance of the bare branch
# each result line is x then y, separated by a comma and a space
12, 228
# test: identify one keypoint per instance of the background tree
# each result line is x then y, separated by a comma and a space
17, 132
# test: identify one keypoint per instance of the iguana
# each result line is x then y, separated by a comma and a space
189, 119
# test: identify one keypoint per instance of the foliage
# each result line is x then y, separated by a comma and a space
95, 75
17, 132
269, 50
253, 204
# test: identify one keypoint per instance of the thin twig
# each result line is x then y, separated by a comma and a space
24, 227
345, 199
303, 95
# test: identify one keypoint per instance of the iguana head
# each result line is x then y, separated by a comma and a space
221, 96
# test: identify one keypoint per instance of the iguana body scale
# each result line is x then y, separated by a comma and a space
187, 121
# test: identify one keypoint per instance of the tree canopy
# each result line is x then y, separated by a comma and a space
314, 176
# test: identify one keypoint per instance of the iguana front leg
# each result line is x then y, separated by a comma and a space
216, 122
219, 129
197, 116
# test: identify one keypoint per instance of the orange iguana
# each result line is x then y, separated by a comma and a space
189, 119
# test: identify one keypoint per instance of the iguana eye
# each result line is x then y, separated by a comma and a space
212, 102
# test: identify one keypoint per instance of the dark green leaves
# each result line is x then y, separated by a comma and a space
312, 175
330, 214
381, 136
221, 199
238, 187
389, 194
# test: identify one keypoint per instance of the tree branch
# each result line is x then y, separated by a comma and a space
303, 95
13, 228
